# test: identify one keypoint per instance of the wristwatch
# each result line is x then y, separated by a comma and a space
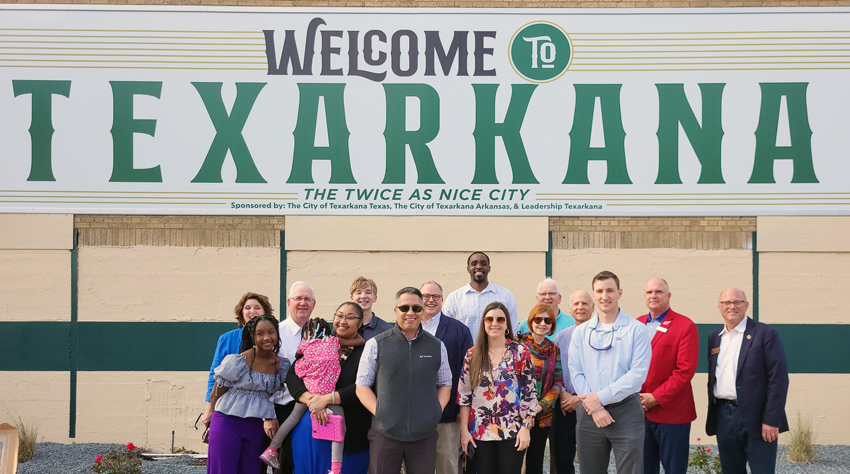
527, 424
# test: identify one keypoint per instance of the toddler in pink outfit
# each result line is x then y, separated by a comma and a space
317, 364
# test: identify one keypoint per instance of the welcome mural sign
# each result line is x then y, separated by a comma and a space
184, 110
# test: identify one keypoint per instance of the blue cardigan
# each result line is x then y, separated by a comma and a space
228, 343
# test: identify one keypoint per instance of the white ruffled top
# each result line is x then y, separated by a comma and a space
249, 391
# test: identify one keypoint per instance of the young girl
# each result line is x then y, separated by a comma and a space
243, 384
317, 364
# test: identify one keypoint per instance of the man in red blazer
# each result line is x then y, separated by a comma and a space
666, 395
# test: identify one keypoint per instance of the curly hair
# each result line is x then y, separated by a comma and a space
264, 302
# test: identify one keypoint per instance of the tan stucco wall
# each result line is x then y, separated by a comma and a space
141, 407
804, 288
173, 283
696, 277
35, 285
40, 398
36, 231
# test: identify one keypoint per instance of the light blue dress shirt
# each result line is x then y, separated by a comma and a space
615, 373
562, 340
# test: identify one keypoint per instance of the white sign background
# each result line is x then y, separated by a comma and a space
636, 48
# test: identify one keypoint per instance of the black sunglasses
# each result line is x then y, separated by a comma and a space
406, 307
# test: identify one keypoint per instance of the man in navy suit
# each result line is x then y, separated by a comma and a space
747, 388
457, 339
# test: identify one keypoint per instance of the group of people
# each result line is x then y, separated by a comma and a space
459, 384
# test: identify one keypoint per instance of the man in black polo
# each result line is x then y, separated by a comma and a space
413, 380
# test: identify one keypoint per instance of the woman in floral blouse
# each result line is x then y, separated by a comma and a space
547, 375
497, 395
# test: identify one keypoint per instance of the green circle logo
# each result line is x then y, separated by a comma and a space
540, 51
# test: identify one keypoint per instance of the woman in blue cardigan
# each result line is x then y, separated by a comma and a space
249, 307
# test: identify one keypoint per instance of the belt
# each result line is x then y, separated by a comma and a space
734, 403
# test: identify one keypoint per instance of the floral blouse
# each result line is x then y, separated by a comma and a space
506, 396
547, 375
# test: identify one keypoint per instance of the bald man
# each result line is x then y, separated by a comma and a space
564, 427
666, 395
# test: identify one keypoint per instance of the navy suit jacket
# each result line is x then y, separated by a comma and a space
457, 339
762, 381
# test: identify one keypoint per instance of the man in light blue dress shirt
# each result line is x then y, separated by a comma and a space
609, 360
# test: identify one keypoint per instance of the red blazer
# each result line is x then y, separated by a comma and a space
674, 361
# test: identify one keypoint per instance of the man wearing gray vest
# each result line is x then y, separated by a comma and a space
408, 369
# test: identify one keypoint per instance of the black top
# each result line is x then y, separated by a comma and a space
357, 417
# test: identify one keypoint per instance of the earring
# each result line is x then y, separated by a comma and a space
507, 333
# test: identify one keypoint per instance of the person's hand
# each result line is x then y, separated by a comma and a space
319, 402
769, 433
538, 409
465, 439
321, 416
647, 401
270, 427
569, 402
591, 403
602, 418
206, 418
523, 438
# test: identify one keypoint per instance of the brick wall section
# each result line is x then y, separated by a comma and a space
652, 232
179, 231
461, 4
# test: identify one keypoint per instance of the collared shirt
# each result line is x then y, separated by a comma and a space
467, 305
376, 326
563, 321
562, 340
432, 324
617, 372
368, 368
652, 325
727, 361
290, 337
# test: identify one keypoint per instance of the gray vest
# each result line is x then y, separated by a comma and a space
406, 386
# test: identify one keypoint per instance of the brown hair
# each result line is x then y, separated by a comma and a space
605, 275
264, 302
479, 361
363, 282
541, 308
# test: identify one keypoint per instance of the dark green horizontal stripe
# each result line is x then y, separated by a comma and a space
187, 346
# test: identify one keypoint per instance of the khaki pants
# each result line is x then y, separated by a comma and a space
448, 448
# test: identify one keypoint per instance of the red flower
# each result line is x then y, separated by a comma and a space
708, 450
699, 439
98, 459
109, 463
131, 446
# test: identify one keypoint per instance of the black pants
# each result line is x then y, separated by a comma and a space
498, 457
536, 450
565, 441
285, 453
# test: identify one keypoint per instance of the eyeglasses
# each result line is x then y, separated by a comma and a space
302, 298
543, 320
406, 307
426, 297
590, 341
727, 304
548, 293
498, 319
347, 317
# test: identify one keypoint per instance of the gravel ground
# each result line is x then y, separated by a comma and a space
51, 458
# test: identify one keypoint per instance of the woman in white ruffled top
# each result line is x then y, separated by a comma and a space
243, 384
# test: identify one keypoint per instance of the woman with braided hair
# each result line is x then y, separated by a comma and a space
243, 384
317, 364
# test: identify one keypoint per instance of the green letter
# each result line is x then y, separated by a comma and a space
614, 151
123, 128
486, 131
673, 109
41, 124
397, 136
305, 134
228, 132
800, 151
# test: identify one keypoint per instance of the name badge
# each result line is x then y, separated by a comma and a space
661, 329
716, 350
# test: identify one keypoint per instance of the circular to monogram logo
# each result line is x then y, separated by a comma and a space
540, 51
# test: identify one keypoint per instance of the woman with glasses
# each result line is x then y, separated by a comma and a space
547, 376
497, 395
314, 455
